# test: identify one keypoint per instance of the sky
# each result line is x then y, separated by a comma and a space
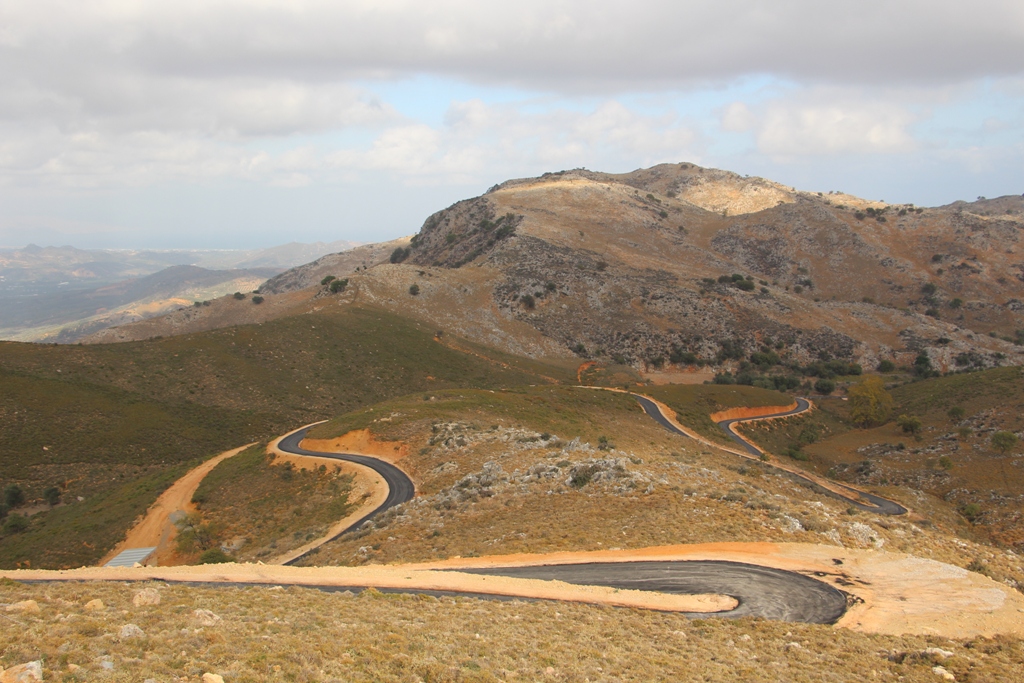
243, 124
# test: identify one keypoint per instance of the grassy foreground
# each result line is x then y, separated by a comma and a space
296, 634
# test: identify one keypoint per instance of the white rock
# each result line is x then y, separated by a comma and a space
938, 652
943, 673
131, 631
24, 607
205, 617
23, 673
794, 646
95, 605
212, 678
146, 596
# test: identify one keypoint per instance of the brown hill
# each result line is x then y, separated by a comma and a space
628, 267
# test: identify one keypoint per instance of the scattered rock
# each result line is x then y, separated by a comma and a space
943, 673
205, 617
95, 605
212, 678
24, 607
23, 673
146, 596
131, 631
107, 664
938, 652
794, 646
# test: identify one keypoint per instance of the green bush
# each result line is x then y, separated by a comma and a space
745, 285
956, 413
414, 289
945, 462
14, 496
971, 511
239, 296
257, 299
929, 288
215, 556
824, 386
886, 366
52, 496
327, 279
1004, 442
402, 253
15, 524
528, 301
339, 285
910, 425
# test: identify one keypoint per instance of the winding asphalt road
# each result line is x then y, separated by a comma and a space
759, 591
400, 486
876, 504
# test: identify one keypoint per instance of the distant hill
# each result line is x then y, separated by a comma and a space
677, 266
62, 293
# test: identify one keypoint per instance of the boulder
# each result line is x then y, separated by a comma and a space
24, 607
131, 631
205, 617
212, 678
146, 596
95, 605
23, 673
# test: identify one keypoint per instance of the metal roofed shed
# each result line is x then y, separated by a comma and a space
131, 556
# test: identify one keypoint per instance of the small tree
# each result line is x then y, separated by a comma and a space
339, 286
327, 279
1004, 442
14, 496
52, 495
528, 301
910, 425
15, 524
414, 289
870, 404
257, 299
239, 296
956, 413
824, 386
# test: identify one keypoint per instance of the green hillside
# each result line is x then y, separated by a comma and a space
91, 419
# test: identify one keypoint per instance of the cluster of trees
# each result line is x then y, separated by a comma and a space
14, 497
336, 285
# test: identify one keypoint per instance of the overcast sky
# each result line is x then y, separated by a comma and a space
211, 123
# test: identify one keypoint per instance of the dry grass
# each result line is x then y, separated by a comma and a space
297, 634
259, 509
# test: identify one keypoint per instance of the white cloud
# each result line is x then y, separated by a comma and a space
824, 123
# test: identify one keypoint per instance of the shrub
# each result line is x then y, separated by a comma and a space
239, 296
680, 357
663, 214
870, 403
601, 265
327, 279
956, 413
910, 425
550, 287
1004, 442
52, 496
414, 289
824, 386
745, 285
528, 301
401, 253
929, 288
14, 496
257, 299
339, 285
860, 215
945, 462
886, 366
215, 556
15, 524
956, 303
798, 289
971, 511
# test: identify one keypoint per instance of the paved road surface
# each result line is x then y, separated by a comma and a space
761, 591
875, 504
400, 486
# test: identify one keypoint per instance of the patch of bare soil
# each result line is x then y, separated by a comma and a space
156, 529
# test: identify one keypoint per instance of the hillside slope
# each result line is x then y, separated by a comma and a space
679, 264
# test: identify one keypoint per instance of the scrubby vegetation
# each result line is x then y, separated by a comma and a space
97, 418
